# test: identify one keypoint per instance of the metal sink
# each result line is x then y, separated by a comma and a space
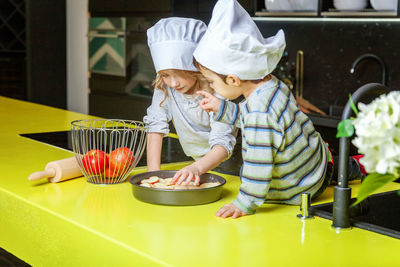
378, 213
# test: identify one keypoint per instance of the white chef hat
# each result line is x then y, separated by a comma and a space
233, 44
172, 42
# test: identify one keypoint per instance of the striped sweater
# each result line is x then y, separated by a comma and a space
283, 154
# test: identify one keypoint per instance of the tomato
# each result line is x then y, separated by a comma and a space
121, 159
95, 161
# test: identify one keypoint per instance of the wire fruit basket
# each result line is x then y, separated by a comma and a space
108, 150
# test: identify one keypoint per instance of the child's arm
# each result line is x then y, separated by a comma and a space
154, 146
157, 119
192, 172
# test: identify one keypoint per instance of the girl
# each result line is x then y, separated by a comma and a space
172, 42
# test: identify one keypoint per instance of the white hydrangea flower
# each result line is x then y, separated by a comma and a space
377, 129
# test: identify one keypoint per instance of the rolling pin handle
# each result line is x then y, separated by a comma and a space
43, 174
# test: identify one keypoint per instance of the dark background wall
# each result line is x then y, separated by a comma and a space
330, 47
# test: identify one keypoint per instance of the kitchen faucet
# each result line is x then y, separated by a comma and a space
383, 67
342, 193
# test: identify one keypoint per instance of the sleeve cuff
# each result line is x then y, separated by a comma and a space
158, 130
221, 111
243, 207
155, 126
228, 147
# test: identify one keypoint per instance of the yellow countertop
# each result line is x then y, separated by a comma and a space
75, 223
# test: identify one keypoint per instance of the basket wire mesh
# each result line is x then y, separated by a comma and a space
108, 150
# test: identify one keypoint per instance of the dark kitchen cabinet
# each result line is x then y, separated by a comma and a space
202, 9
12, 49
33, 51
96, 6
118, 106
148, 6
128, 7
46, 52
206, 6
181, 8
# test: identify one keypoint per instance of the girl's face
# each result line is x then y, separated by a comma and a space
182, 83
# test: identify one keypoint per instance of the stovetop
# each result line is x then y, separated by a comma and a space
172, 151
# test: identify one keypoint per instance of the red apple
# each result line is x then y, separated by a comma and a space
121, 159
95, 161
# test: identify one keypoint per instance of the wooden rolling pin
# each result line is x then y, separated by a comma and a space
59, 170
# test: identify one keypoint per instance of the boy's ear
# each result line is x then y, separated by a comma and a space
233, 80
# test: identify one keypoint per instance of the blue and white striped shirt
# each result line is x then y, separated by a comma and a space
283, 154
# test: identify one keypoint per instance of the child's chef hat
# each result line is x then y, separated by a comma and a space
233, 44
172, 42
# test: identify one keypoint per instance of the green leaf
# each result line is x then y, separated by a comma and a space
345, 128
371, 183
352, 105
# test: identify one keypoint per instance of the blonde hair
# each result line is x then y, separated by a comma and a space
201, 82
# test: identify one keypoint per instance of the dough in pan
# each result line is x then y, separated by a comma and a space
157, 182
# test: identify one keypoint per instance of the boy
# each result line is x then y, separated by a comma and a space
283, 155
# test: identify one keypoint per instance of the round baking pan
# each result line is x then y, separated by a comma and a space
177, 197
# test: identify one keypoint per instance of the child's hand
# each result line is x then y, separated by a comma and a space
230, 210
187, 174
209, 102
